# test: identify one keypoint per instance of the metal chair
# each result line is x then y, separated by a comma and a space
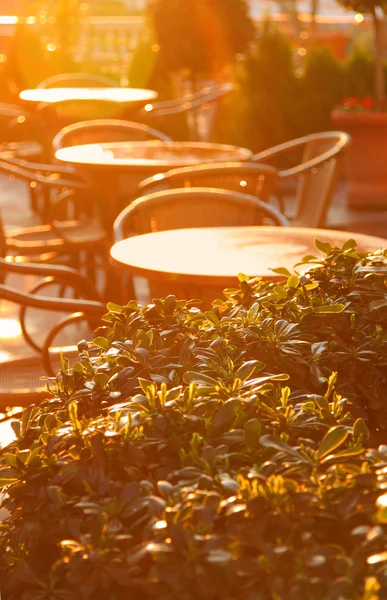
249, 178
73, 227
77, 80
39, 203
22, 134
20, 378
201, 108
190, 207
193, 207
105, 130
316, 173
62, 113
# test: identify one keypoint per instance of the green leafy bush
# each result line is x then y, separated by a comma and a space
359, 73
322, 88
215, 455
272, 91
276, 99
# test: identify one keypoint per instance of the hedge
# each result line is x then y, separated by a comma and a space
232, 454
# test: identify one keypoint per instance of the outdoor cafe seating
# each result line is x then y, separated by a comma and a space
86, 204
193, 300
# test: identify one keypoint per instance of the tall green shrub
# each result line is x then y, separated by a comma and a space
273, 90
322, 87
359, 73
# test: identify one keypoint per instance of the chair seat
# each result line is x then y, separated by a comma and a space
82, 233
286, 186
45, 238
20, 379
20, 382
25, 149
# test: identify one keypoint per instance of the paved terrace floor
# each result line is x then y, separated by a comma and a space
16, 213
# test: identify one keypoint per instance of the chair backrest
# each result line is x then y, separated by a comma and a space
65, 112
34, 173
317, 182
193, 207
77, 80
18, 124
11, 110
317, 173
202, 119
105, 130
249, 178
201, 108
3, 243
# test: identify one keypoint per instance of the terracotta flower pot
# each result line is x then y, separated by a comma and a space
336, 41
366, 158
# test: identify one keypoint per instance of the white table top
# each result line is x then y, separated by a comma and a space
213, 256
110, 94
152, 155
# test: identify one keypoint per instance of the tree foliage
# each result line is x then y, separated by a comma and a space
200, 36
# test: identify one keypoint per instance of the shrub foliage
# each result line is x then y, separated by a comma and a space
219, 455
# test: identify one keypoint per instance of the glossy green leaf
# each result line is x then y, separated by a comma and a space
252, 432
360, 429
269, 441
349, 245
7, 476
293, 281
282, 271
101, 343
324, 247
199, 378
329, 309
332, 440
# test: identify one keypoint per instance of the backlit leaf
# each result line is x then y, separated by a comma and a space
332, 440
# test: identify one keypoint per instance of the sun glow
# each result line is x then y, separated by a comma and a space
9, 329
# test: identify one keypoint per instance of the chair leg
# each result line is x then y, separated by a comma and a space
34, 203
46, 205
90, 265
281, 202
118, 288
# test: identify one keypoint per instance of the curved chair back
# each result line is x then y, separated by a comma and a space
249, 178
77, 80
21, 132
3, 242
201, 108
105, 130
317, 173
193, 207
11, 110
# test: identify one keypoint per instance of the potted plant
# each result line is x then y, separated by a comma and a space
365, 119
336, 41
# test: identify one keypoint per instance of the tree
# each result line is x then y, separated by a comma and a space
200, 36
371, 7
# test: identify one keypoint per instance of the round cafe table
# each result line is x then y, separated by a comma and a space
136, 96
117, 168
69, 104
200, 262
